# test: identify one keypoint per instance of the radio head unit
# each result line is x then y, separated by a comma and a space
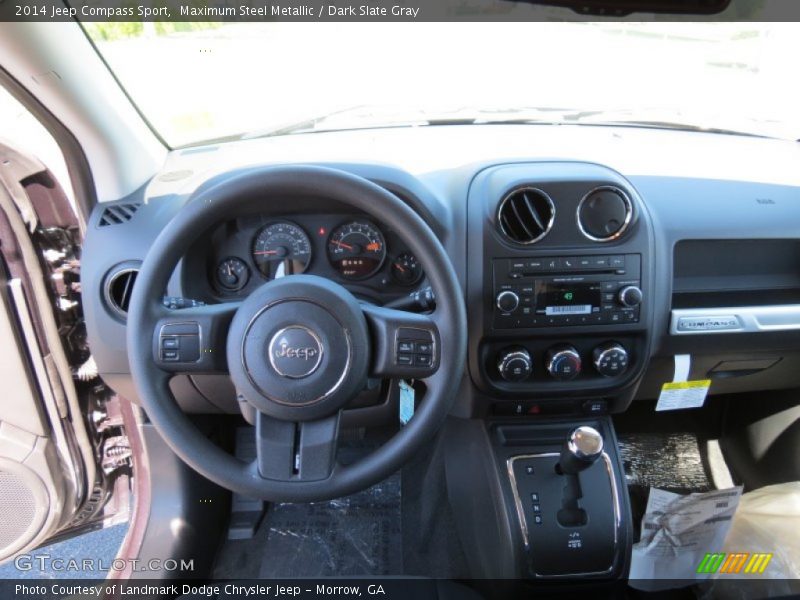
566, 291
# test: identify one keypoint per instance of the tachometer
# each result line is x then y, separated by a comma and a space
356, 250
281, 249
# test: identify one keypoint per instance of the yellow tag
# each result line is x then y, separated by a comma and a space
686, 385
677, 395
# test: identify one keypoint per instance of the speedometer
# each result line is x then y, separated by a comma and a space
356, 250
281, 249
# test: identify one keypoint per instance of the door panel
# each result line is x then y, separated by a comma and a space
47, 461
35, 479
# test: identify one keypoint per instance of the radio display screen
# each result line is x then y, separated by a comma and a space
556, 299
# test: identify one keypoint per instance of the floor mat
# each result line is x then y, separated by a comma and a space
356, 535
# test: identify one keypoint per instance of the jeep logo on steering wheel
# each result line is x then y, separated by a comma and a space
295, 352
289, 352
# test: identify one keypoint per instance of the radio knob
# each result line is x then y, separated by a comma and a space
515, 364
507, 301
630, 296
563, 362
610, 359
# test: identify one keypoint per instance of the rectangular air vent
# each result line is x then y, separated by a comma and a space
118, 214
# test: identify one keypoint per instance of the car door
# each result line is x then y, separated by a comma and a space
50, 484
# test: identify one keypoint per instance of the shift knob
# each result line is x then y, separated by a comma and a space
582, 448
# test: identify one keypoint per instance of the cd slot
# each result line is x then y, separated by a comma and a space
526, 274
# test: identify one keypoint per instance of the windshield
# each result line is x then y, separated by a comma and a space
196, 82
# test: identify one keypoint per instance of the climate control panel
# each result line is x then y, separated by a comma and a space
562, 362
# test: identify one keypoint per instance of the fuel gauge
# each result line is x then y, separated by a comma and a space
232, 274
406, 269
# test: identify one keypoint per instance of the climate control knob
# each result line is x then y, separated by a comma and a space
507, 301
515, 364
610, 359
630, 296
563, 362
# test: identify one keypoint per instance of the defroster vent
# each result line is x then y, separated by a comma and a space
117, 214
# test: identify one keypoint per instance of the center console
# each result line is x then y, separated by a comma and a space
539, 499
560, 259
560, 278
568, 495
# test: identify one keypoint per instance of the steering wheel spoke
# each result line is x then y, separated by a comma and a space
292, 451
404, 344
193, 339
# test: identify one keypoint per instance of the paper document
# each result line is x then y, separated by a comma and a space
677, 532
681, 393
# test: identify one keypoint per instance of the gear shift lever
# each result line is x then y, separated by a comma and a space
582, 448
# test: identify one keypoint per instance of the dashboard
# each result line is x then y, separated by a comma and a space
589, 256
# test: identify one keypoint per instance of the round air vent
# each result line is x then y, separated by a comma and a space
604, 214
526, 215
119, 288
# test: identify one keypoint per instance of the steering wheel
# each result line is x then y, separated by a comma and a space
297, 349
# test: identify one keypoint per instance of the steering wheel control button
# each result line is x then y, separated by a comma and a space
610, 359
424, 347
405, 346
179, 342
295, 352
563, 362
414, 347
515, 364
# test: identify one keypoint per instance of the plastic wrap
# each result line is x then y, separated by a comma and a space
351, 536
665, 461
767, 521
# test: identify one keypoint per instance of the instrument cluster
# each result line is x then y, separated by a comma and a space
350, 249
